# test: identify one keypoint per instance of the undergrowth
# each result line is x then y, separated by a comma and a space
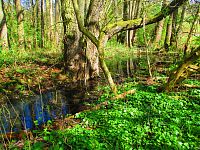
11, 57
144, 120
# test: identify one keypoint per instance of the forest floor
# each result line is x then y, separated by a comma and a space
147, 119
26, 73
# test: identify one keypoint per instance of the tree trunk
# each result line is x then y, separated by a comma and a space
34, 38
136, 15
113, 28
3, 30
173, 38
159, 27
191, 30
50, 20
38, 32
42, 24
180, 24
57, 16
182, 71
168, 32
19, 11
80, 54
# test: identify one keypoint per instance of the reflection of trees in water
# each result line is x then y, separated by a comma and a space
22, 114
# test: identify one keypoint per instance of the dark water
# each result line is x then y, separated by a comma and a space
24, 114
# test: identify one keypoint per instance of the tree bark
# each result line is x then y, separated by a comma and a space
57, 16
136, 15
159, 27
191, 30
173, 38
42, 24
113, 28
50, 20
182, 72
19, 11
168, 33
38, 32
180, 24
34, 38
3, 30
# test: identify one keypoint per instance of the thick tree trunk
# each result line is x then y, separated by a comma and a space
113, 28
80, 54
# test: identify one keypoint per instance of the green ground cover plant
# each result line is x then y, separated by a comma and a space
144, 120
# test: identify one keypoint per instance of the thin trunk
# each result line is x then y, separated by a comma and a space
168, 32
19, 12
180, 25
191, 30
159, 27
38, 24
136, 15
102, 40
3, 30
64, 21
173, 41
126, 17
51, 20
42, 24
33, 25
147, 47
57, 16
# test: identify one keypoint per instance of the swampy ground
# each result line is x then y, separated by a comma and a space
146, 119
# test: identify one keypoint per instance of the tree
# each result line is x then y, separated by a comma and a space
113, 28
196, 16
159, 26
184, 70
174, 29
42, 23
19, 12
168, 32
3, 29
57, 16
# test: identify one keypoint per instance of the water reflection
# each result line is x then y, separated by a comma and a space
24, 114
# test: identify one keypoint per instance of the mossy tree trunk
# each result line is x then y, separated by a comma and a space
113, 28
183, 70
80, 53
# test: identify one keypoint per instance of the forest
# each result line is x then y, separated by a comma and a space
99, 74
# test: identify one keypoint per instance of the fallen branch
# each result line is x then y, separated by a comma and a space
98, 106
190, 86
